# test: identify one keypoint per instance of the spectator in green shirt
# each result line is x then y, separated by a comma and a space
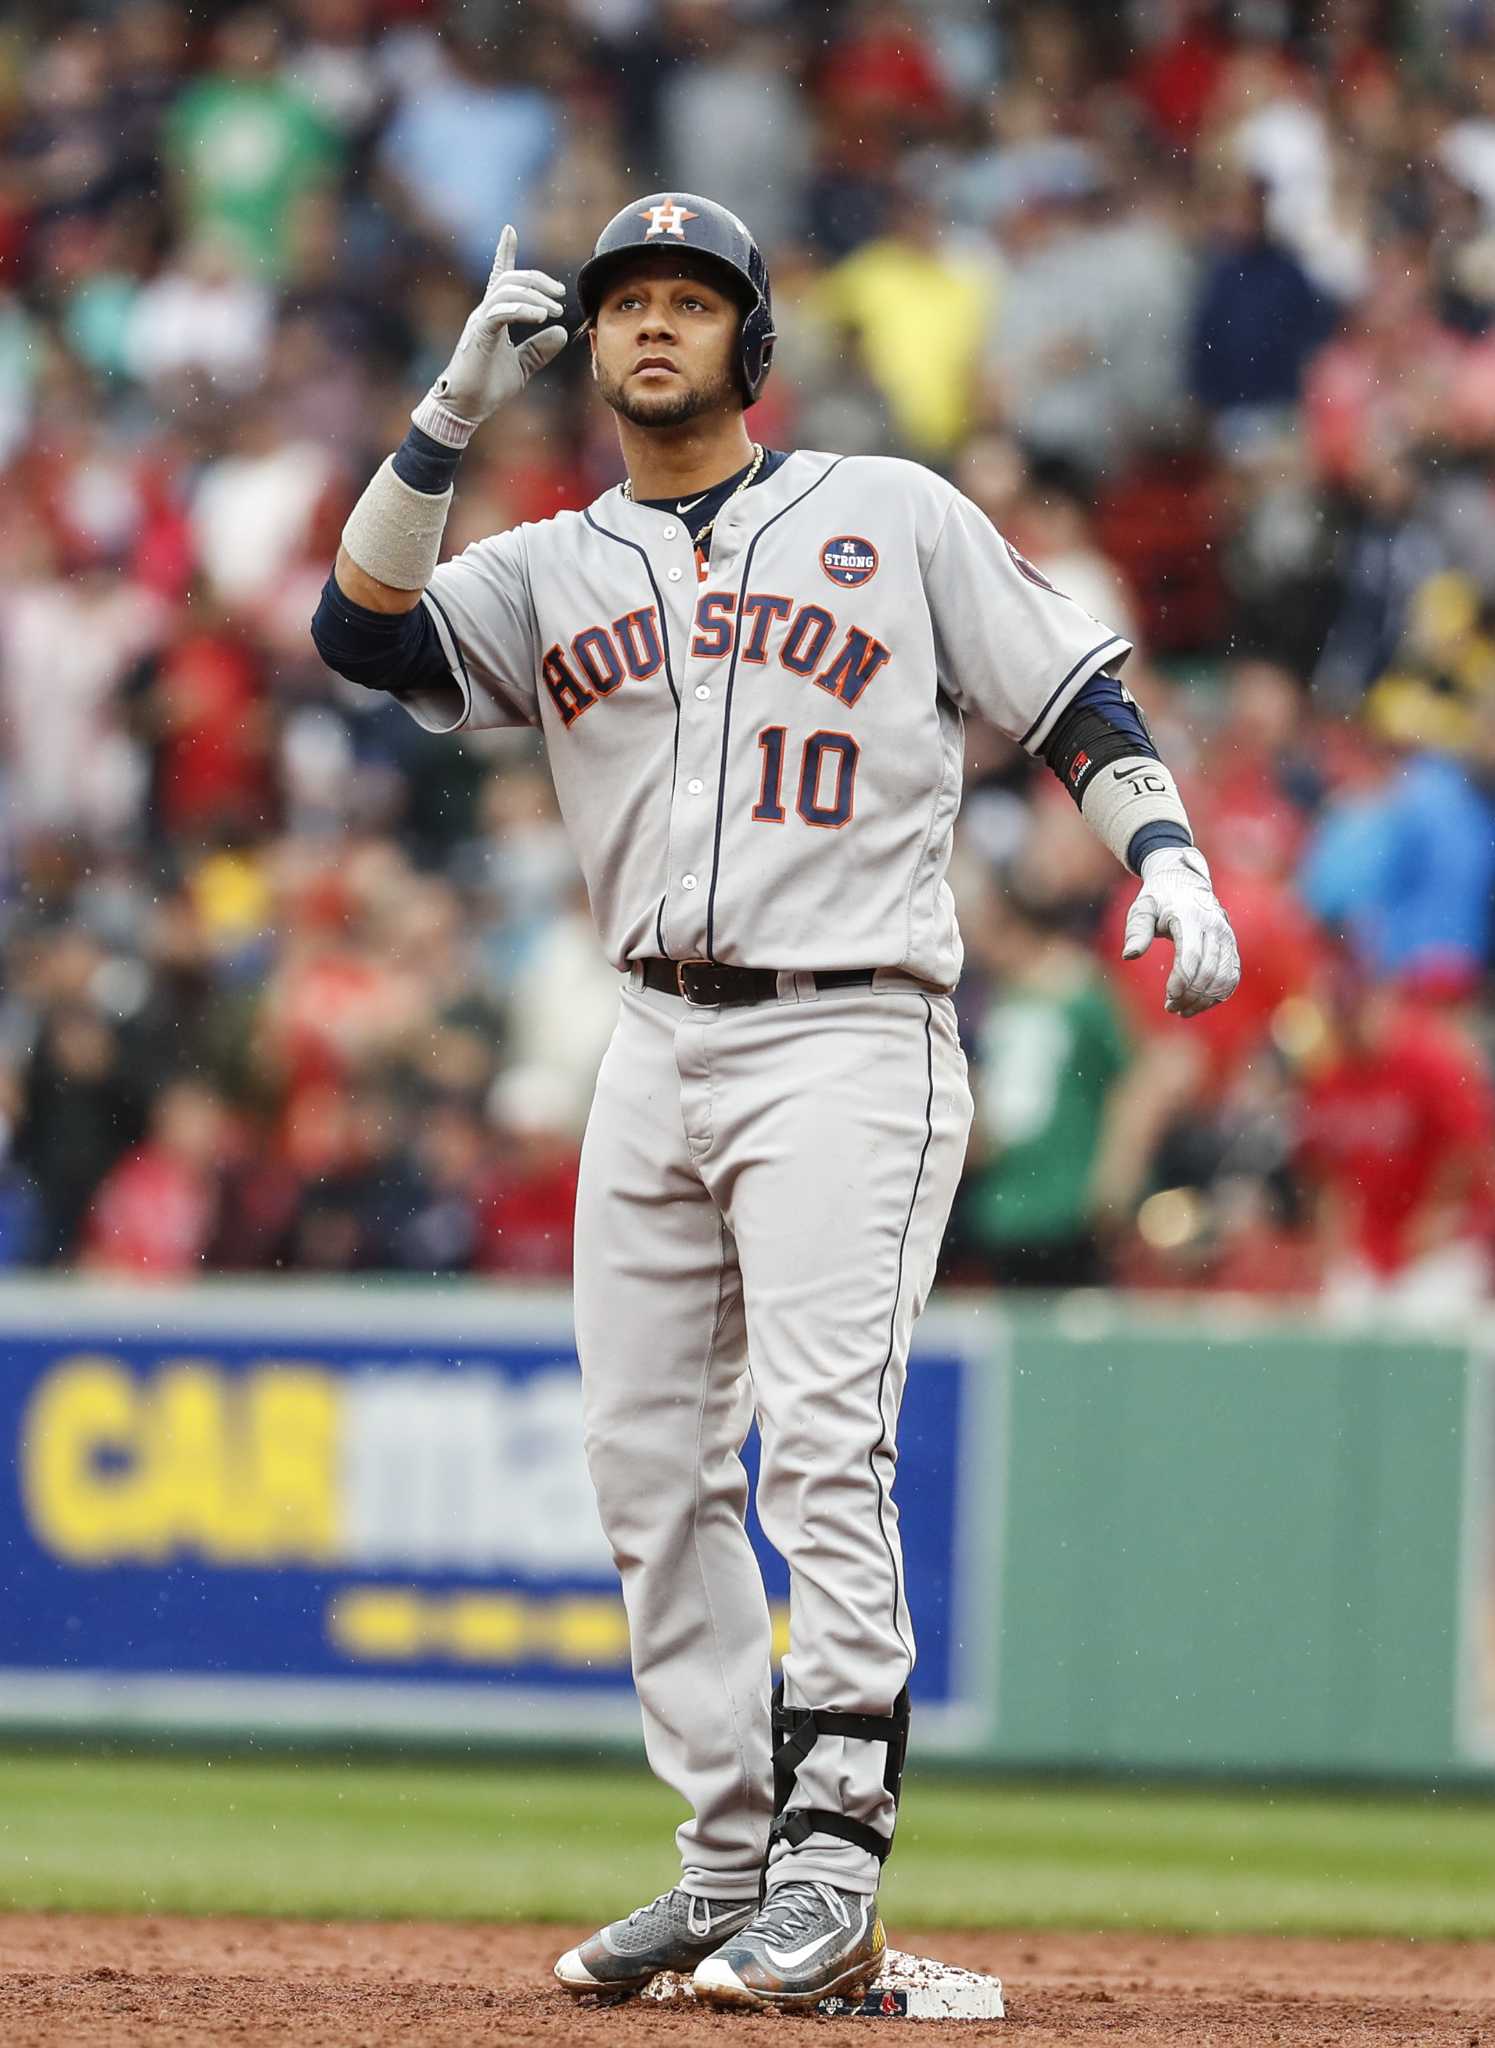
1066, 1118
244, 145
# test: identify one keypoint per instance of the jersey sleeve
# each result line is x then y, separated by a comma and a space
1010, 647
480, 606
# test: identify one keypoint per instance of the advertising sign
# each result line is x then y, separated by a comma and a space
368, 1509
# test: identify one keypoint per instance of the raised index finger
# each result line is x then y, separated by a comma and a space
508, 249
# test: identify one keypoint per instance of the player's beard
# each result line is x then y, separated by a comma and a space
669, 408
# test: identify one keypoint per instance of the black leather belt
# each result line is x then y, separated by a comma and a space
703, 983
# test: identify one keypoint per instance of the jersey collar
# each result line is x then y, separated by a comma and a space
755, 507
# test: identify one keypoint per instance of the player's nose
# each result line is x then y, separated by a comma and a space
655, 321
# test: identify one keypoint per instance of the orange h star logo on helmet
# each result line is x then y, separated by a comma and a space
668, 218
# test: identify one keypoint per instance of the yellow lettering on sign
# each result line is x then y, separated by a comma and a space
378, 1621
236, 1468
201, 1506
588, 1631
86, 1493
291, 1418
405, 1624
483, 1628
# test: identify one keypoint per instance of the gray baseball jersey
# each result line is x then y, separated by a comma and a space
760, 764
763, 767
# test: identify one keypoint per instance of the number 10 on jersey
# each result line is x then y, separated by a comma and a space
827, 778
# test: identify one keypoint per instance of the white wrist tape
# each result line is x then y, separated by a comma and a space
394, 533
1123, 796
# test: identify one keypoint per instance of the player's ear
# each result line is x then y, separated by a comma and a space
592, 345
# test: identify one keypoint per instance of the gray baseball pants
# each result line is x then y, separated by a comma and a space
763, 1194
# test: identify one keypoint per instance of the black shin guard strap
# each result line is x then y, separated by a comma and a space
795, 1733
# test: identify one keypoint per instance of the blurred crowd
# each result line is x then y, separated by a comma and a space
1196, 298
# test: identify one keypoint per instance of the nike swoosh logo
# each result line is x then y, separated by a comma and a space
789, 1959
683, 506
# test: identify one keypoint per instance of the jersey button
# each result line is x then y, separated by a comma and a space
687, 881
703, 691
674, 575
695, 785
670, 532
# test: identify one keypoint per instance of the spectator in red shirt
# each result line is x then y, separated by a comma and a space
1397, 1125
1181, 73
1397, 378
205, 711
155, 1213
883, 71
528, 1219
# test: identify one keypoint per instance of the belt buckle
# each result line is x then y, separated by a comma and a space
680, 967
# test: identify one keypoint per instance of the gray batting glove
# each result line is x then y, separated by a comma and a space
1177, 897
487, 369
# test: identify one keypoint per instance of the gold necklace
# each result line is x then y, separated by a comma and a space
705, 533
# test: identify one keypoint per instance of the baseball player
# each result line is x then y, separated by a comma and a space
749, 668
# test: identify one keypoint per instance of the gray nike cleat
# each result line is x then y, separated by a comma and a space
674, 1933
808, 1941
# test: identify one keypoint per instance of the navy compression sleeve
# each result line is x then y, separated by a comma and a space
394, 651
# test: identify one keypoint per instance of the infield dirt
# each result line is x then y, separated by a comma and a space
90, 1981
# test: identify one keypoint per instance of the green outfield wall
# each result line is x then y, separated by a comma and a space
1243, 1545
1189, 1538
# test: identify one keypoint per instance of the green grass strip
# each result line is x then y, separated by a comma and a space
506, 1840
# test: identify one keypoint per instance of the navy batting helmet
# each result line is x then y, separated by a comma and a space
683, 220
